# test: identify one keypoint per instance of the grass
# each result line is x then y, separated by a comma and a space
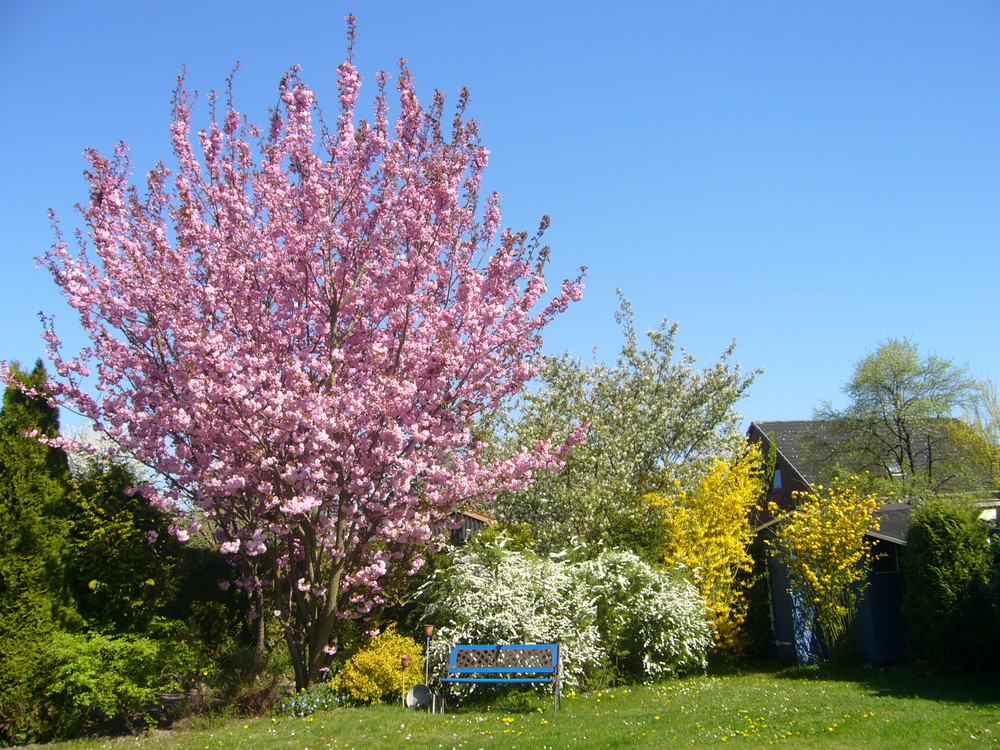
794, 708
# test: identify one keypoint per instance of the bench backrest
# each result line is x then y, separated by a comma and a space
539, 658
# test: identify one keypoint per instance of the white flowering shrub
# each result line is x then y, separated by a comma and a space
491, 595
652, 622
613, 613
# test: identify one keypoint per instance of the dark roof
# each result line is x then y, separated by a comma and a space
893, 522
811, 447
799, 442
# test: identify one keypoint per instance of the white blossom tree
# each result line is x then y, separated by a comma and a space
654, 419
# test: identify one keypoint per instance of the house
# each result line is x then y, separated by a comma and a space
471, 522
805, 452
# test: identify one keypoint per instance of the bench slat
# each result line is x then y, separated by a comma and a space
496, 679
502, 670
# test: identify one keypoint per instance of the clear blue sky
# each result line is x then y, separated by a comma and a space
807, 177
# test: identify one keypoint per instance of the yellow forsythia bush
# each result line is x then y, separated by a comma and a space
824, 545
707, 529
375, 674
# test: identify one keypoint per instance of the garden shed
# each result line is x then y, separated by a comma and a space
879, 628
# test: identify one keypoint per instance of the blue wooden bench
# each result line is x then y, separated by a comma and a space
506, 664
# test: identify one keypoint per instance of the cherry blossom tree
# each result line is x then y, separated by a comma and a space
297, 328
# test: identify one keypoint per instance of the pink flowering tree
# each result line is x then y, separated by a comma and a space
297, 328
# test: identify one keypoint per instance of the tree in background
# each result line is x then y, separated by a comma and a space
127, 572
653, 420
708, 530
823, 545
896, 424
34, 602
33, 508
122, 563
945, 602
298, 331
977, 434
85, 592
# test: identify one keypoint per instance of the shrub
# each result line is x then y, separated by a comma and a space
96, 677
493, 595
613, 616
707, 529
651, 622
22, 714
251, 682
375, 674
947, 568
824, 546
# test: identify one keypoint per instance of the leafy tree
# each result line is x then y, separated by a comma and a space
122, 563
824, 546
977, 434
708, 530
33, 484
34, 603
126, 570
897, 422
652, 418
947, 567
300, 343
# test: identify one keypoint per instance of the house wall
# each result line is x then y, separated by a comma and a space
470, 525
879, 629
781, 609
781, 493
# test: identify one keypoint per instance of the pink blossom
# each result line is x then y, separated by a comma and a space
299, 331
180, 534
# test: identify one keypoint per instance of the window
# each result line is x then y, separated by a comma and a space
885, 557
776, 481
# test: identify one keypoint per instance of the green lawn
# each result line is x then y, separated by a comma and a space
793, 708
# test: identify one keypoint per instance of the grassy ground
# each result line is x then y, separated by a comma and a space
794, 708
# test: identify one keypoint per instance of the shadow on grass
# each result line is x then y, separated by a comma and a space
908, 681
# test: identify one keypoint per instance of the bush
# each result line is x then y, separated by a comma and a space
493, 595
251, 683
946, 600
375, 674
652, 622
22, 713
82, 680
614, 616
93, 677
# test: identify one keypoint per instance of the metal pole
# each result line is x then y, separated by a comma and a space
428, 632
405, 659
